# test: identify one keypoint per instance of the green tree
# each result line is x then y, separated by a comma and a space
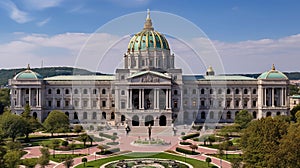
44, 159
297, 116
208, 160
84, 138
13, 125
3, 149
12, 159
84, 160
243, 118
193, 147
27, 112
4, 99
294, 111
236, 163
261, 140
78, 129
211, 139
56, 121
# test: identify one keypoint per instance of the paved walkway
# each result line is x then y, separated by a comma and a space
127, 145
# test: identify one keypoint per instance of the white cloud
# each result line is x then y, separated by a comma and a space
42, 4
15, 13
43, 22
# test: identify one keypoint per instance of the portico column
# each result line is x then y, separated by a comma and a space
155, 99
140, 98
273, 97
143, 99
167, 93
19, 97
170, 93
130, 99
265, 96
29, 96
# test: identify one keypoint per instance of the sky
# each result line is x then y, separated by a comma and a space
245, 36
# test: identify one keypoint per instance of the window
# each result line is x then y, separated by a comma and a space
194, 103
122, 92
228, 103
103, 115
67, 91
58, 91
122, 77
112, 104
84, 115
112, 116
220, 91
228, 115
202, 103
85, 103
94, 115
49, 103
122, 105
194, 115
203, 115
94, 91
278, 113
104, 103
237, 103
245, 103
220, 115
76, 103
211, 91
185, 91
175, 104
245, 91
113, 91
75, 116
85, 91
254, 103
175, 92
237, 91
211, 115
27, 91
202, 91
103, 91
194, 91
67, 103
58, 103
76, 91
254, 114
228, 91
94, 103
49, 91
254, 91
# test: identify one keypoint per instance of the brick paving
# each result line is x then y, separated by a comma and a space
127, 145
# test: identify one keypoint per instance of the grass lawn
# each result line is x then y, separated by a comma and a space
62, 157
216, 146
229, 158
195, 163
47, 143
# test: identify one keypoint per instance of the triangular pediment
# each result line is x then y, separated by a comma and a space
149, 77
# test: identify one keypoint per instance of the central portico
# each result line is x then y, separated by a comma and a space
144, 87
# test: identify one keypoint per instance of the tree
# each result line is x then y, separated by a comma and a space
54, 144
225, 145
26, 112
68, 162
243, 118
13, 125
208, 160
297, 116
261, 140
4, 99
236, 163
294, 111
84, 138
56, 121
12, 159
193, 147
211, 139
65, 143
84, 160
78, 129
44, 158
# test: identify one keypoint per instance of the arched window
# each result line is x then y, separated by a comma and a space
67, 91
202, 91
254, 114
94, 115
112, 116
245, 91
94, 91
76, 91
194, 91
58, 91
103, 91
278, 113
103, 115
237, 91
228, 91
211, 115
175, 92
85, 91
49, 91
236, 113
75, 116
228, 115
220, 115
84, 115
67, 114
211, 91
34, 115
122, 92
254, 91
220, 91
269, 114
203, 115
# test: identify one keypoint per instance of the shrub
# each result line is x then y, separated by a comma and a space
107, 136
65, 143
182, 133
185, 143
108, 151
112, 143
189, 152
190, 136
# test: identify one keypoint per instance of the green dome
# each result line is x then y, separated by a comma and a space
273, 74
28, 74
148, 38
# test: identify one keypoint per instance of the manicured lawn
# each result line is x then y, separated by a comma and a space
47, 143
216, 146
62, 157
195, 163
229, 158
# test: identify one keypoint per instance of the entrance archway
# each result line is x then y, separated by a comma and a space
149, 120
162, 120
135, 120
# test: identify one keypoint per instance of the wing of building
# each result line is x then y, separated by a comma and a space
149, 89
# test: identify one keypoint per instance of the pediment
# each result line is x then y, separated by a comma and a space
150, 77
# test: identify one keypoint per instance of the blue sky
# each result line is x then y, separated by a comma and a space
245, 30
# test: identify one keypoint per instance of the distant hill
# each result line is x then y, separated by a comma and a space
6, 74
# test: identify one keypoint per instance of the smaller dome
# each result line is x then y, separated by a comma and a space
28, 74
273, 74
210, 71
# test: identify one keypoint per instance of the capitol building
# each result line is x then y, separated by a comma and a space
149, 89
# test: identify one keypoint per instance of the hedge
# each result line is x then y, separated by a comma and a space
189, 152
108, 136
108, 151
190, 136
185, 143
